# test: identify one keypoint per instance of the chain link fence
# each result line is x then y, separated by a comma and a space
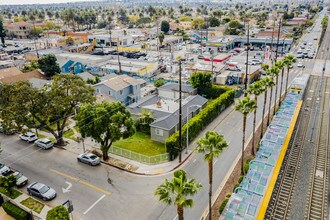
161, 158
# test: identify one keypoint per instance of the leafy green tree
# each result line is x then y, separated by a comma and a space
211, 146
144, 120
48, 64
177, 190
201, 81
105, 123
165, 26
161, 37
159, 83
289, 60
244, 106
8, 183
29, 67
58, 213
2, 32
53, 104
234, 27
214, 22
255, 89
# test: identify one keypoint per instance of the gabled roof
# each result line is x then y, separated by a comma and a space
18, 24
120, 82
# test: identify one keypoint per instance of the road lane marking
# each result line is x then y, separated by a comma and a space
63, 174
215, 162
80, 181
194, 161
94, 204
176, 217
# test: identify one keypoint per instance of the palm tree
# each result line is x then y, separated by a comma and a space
272, 72
266, 82
255, 89
177, 190
289, 60
211, 146
244, 106
283, 62
280, 66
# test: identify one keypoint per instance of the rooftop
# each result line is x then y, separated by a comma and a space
120, 82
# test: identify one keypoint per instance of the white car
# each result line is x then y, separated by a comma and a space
4, 169
89, 158
300, 65
44, 143
28, 136
21, 180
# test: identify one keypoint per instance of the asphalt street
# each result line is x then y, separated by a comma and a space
129, 196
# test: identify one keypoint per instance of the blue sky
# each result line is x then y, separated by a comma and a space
20, 2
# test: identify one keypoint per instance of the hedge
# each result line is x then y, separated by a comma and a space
201, 120
223, 205
14, 211
58, 213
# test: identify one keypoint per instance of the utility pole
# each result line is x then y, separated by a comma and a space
271, 44
34, 38
119, 64
278, 38
180, 112
247, 58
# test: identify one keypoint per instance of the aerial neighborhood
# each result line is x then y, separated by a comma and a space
155, 110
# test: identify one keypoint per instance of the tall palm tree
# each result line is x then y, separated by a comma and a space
289, 60
280, 66
283, 62
244, 106
177, 190
211, 146
272, 72
255, 89
266, 82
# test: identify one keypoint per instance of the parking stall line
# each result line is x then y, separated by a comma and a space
94, 204
80, 181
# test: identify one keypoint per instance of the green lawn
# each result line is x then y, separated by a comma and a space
141, 143
33, 204
15, 193
69, 134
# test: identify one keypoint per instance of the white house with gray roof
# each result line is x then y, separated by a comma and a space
165, 107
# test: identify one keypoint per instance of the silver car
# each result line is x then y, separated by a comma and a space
4, 169
44, 143
41, 191
89, 158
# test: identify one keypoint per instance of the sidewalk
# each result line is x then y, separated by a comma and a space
4, 215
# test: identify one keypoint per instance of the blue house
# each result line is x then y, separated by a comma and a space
72, 67
121, 88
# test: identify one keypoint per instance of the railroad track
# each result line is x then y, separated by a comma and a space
317, 206
280, 202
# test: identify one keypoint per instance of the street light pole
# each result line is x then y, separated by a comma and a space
247, 58
187, 140
180, 112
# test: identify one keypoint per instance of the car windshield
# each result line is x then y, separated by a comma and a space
44, 189
32, 136
48, 142
93, 157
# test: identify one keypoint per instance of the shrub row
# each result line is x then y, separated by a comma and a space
202, 119
58, 213
14, 211
223, 205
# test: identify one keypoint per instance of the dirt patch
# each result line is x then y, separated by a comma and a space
233, 179
114, 161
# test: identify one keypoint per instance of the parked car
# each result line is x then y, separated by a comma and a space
89, 158
201, 57
250, 62
28, 136
41, 191
300, 65
233, 68
310, 55
4, 169
44, 143
256, 61
5, 130
21, 180
300, 55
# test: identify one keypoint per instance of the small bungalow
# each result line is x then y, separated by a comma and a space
73, 67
